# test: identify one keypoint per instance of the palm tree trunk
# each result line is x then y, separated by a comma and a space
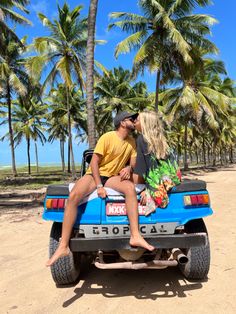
221, 156
36, 157
69, 127
196, 153
28, 154
214, 155
72, 160
13, 160
70, 147
62, 155
90, 73
208, 154
225, 156
157, 89
231, 156
204, 150
178, 149
190, 155
68, 161
185, 146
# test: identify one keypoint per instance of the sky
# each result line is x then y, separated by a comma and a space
223, 35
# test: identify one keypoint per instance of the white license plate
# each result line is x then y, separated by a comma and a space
119, 209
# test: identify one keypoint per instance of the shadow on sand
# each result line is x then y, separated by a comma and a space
142, 284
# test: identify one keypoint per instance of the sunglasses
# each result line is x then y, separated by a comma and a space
130, 119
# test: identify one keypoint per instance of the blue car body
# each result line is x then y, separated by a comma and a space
94, 212
177, 232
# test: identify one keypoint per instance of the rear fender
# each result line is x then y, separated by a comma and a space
88, 213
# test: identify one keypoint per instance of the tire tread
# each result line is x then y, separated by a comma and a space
66, 269
199, 257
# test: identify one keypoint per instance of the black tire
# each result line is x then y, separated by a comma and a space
66, 269
198, 264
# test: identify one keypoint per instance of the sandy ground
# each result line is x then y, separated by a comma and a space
26, 285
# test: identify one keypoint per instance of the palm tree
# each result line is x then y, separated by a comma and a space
6, 12
28, 123
116, 93
58, 130
90, 72
65, 49
228, 88
175, 136
224, 137
13, 80
33, 100
58, 99
196, 101
163, 35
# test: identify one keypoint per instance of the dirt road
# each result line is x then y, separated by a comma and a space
26, 285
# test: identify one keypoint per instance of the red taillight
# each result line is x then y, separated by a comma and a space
61, 203
196, 199
55, 203
200, 199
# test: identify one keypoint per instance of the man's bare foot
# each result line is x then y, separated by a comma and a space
60, 252
139, 241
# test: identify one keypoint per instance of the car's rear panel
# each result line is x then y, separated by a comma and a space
94, 211
88, 213
176, 211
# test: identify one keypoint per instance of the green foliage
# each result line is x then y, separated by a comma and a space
165, 34
166, 170
6, 14
12, 74
64, 48
198, 110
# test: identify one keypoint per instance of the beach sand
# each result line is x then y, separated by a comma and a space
26, 285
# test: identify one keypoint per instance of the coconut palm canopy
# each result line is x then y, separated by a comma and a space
46, 93
164, 36
64, 47
8, 13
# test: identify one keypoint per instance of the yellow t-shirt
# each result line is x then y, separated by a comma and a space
115, 153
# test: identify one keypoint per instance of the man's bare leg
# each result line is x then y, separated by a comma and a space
127, 187
83, 187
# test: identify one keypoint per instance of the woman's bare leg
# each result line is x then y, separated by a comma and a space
127, 187
83, 187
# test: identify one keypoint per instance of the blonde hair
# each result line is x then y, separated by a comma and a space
153, 133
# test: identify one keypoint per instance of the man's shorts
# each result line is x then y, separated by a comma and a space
103, 179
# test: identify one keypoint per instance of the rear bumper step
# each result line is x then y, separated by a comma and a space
182, 241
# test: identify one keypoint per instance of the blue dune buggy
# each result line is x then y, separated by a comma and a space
101, 232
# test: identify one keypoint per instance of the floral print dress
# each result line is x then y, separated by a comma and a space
160, 175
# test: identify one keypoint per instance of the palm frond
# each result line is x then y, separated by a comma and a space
131, 22
46, 22
132, 41
181, 7
181, 45
5, 28
146, 49
16, 83
16, 17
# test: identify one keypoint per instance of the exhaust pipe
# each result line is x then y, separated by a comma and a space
155, 264
179, 256
135, 266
